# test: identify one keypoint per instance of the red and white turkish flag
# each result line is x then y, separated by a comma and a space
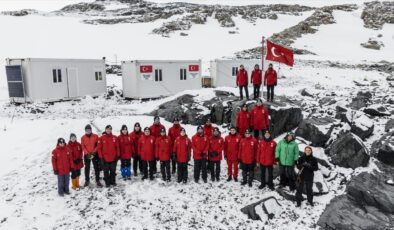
279, 54
146, 69
194, 68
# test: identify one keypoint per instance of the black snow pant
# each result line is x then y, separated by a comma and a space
246, 92
75, 173
182, 172
256, 91
215, 170
248, 173
173, 165
308, 188
109, 169
145, 170
165, 170
257, 132
137, 164
96, 165
287, 176
270, 176
270, 92
200, 167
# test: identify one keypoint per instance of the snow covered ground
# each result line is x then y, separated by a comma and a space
28, 197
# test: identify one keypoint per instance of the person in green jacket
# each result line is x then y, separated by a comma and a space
287, 154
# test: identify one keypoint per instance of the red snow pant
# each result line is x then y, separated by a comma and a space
232, 168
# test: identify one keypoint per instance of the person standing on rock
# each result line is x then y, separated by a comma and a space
307, 164
259, 119
89, 143
75, 149
256, 80
61, 164
242, 82
231, 148
135, 135
108, 151
163, 150
243, 120
266, 159
216, 145
270, 80
208, 128
247, 155
182, 149
173, 133
126, 148
146, 149
287, 154
200, 146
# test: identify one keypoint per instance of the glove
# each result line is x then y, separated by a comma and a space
77, 161
91, 155
306, 165
56, 172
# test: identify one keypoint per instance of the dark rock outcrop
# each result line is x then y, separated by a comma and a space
383, 149
316, 130
263, 210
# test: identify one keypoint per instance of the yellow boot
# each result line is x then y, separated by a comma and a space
74, 186
77, 183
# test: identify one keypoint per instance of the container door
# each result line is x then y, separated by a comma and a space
72, 80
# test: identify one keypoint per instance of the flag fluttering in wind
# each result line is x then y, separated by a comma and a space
279, 53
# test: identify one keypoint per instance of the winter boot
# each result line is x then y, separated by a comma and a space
229, 178
99, 184
262, 186
86, 184
235, 179
77, 183
74, 184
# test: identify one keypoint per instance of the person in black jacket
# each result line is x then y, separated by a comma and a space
307, 164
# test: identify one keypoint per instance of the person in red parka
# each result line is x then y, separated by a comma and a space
75, 149
242, 82
266, 159
200, 146
216, 145
126, 149
135, 135
155, 132
231, 149
89, 143
208, 128
247, 155
163, 150
256, 80
243, 120
61, 164
270, 80
173, 133
146, 149
182, 149
108, 150
259, 119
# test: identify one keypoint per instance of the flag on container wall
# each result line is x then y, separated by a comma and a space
279, 53
146, 72
194, 71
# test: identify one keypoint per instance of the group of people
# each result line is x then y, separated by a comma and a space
248, 144
270, 80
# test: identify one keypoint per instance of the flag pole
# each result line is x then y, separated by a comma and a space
262, 53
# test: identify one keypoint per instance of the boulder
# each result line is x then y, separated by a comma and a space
360, 124
305, 93
263, 210
383, 149
361, 100
316, 130
389, 125
377, 111
348, 151
367, 204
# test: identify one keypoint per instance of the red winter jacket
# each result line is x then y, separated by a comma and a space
242, 78
266, 152
247, 150
155, 129
61, 160
136, 137
216, 144
259, 118
174, 131
108, 147
163, 148
200, 145
182, 149
126, 146
208, 130
89, 143
270, 77
75, 149
231, 147
256, 77
146, 147
243, 121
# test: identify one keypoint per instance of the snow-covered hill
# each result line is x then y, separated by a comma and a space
342, 75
